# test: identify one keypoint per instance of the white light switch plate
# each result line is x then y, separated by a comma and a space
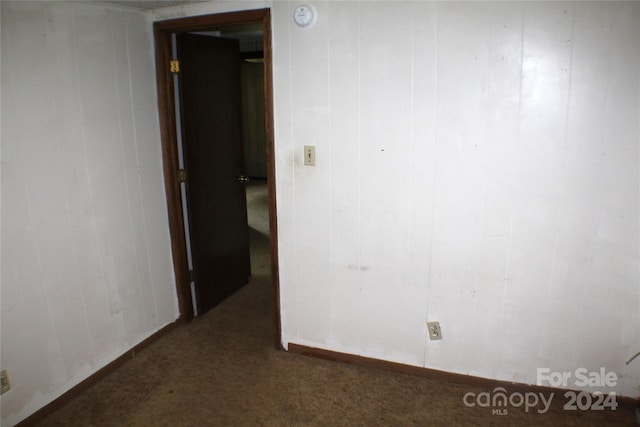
309, 155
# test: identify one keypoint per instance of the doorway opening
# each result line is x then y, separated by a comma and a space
260, 162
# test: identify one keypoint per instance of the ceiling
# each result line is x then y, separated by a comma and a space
249, 35
153, 4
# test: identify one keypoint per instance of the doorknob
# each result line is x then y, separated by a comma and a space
243, 179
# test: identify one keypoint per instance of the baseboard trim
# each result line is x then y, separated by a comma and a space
78, 389
367, 362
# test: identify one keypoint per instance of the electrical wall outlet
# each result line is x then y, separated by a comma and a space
435, 333
5, 385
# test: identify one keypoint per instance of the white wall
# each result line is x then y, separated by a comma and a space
477, 164
86, 265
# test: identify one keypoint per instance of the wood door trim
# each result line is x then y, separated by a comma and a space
271, 174
166, 108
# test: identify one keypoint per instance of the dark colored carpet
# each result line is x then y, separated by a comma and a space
222, 370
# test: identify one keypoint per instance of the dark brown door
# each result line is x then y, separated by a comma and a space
212, 144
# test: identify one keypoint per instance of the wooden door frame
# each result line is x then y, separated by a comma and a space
163, 31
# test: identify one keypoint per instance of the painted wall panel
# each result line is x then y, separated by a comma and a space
150, 190
504, 203
311, 126
86, 265
344, 110
385, 83
424, 48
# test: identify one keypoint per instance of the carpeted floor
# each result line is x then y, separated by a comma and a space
222, 370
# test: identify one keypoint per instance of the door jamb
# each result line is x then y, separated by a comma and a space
166, 102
